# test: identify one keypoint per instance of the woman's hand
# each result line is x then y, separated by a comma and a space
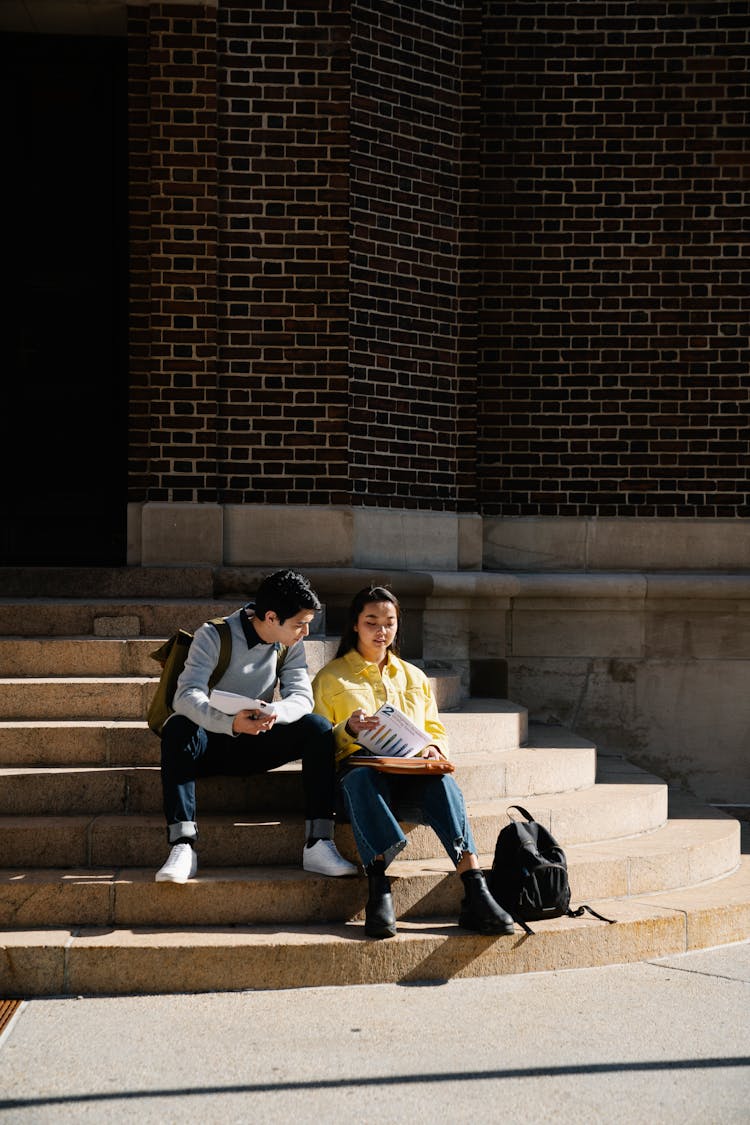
252, 722
431, 752
359, 721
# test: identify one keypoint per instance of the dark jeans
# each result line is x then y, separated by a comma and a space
189, 752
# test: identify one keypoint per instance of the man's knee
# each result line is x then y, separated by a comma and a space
314, 742
180, 734
313, 726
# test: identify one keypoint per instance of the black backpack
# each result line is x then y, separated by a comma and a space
529, 876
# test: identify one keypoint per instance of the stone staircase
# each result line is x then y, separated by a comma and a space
82, 834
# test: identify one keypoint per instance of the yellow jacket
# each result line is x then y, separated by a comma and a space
349, 682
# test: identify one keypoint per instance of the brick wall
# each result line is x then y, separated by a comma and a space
239, 217
283, 268
412, 331
173, 238
479, 257
613, 376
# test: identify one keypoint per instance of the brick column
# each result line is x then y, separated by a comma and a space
412, 300
173, 240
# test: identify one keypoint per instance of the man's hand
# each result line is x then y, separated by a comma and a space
252, 722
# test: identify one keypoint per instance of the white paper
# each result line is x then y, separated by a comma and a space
230, 703
395, 736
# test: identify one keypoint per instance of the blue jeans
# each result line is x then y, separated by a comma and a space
189, 752
377, 801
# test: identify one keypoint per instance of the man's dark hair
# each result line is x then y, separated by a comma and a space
286, 593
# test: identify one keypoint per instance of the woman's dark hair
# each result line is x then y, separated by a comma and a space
359, 601
286, 592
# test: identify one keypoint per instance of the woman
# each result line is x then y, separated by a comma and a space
366, 673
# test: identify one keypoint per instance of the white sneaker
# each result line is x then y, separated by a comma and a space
181, 865
323, 858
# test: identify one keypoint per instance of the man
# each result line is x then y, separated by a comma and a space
200, 740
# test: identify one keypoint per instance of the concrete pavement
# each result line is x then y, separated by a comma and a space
660, 1041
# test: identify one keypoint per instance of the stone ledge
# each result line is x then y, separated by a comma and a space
107, 584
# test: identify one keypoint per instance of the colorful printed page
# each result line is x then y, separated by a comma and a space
395, 736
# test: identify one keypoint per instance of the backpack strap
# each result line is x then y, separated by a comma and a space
579, 911
570, 914
225, 652
522, 811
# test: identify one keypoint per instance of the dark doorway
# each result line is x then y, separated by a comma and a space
63, 351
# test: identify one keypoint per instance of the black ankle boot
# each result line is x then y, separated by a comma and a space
380, 920
479, 911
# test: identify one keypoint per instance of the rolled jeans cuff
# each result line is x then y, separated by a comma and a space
321, 828
183, 830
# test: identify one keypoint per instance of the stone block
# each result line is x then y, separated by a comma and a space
445, 633
125, 626
570, 543
405, 540
33, 963
181, 534
534, 543
701, 710
668, 544
470, 544
704, 632
42, 898
688, 721
488, 633
577, 632
268, 534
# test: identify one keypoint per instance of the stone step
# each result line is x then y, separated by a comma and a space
691, 848
603, 812
42, 657
482, 725
555, 761
85, 742
76, 698
143, 960
552, 760
97, 582
111, 617
59, 790
82, 698
82, 833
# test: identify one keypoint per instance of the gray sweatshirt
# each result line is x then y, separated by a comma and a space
251, 671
